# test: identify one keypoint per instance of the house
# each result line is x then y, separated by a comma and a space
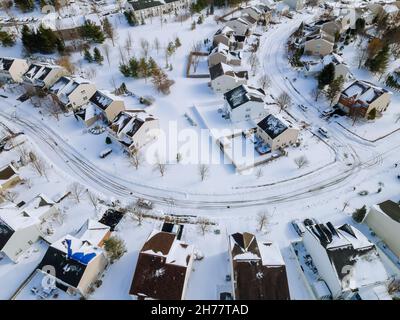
361, 97
153, 8
17, 232
73, 92
103, 105
76, 262
9, 177
134, 129
315, 65
240, 25
320, 45
245, 103
43, 75
221, 53
40, 207
228, 37
384, 220
295, 4
253, 11
277, 132
163, 268
257, 268
282, 8
12, 69
224, 78
347, 261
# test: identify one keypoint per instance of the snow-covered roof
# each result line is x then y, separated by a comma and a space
38, 206
93, 231
242, 94
390, 209
54, 22
6, 63
363, 91
273, 126
39, 71
16, 219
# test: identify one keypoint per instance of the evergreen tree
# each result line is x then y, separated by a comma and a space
28, 39
125, 70
88, 56
326, 76
177, 42
152, 65
380, 62
92, 32
372, 114
335, 87
143, 68
97, 56
6, 39
25, 5
134, 67
108, 29
359, 214
131, 18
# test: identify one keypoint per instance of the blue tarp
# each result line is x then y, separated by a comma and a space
79, 256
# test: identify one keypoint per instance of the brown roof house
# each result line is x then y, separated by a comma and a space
12, 69
134, 129
163, 268
361, 97
258, 269
9, 177
384, 220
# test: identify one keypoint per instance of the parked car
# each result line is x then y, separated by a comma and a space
144, 203
310, 221
327, 112
323, 132
303, 107
105, 153
298, 227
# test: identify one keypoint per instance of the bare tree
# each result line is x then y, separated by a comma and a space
38, 164
203, 224
283, 101
160, 166
196, 57
77, 191
23, 154
93, 199
145, 45
264, 82
135, 158
259, 173
301, 161
106, 49
157, 45
315, 93
262, 220
9, 195
204, 171
65, 62
254, 62
394, 286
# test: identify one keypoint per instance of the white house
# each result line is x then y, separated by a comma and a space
163, 268
17, 232
12, 69
277, 132
153, 8
240, 25
314, 65
73, 92
40, 207
228, 37
295, 4
43, 75
347, 261
103, 106
224, 78
221, 53
384, 220
134, 129
245, 103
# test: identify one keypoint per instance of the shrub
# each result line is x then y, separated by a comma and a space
359, 214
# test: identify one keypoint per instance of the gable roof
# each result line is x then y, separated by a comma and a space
258, 269
38, 71
363, 91
7, 172
243, 94
272, 126
6, 63
222, 68
391, 209
161, 268
102, 99
6, 233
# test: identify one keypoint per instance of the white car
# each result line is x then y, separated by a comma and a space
323, 132
327, 112
303, 107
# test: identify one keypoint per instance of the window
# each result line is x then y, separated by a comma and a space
83, 91
247, 116
248, 110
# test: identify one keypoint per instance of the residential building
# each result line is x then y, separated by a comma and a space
9, 177
384, 219
240, 25
228, 37
40, 207
277, 132
12, 69
319, 45
347, 261
73, 92
257, 268
245, 103
43, 75
295, 4
103, 106
153, 8
224, 78
361, 97
314, 65
253, 11
163, 268
134, 129
77, 262
18, 232
221, 53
